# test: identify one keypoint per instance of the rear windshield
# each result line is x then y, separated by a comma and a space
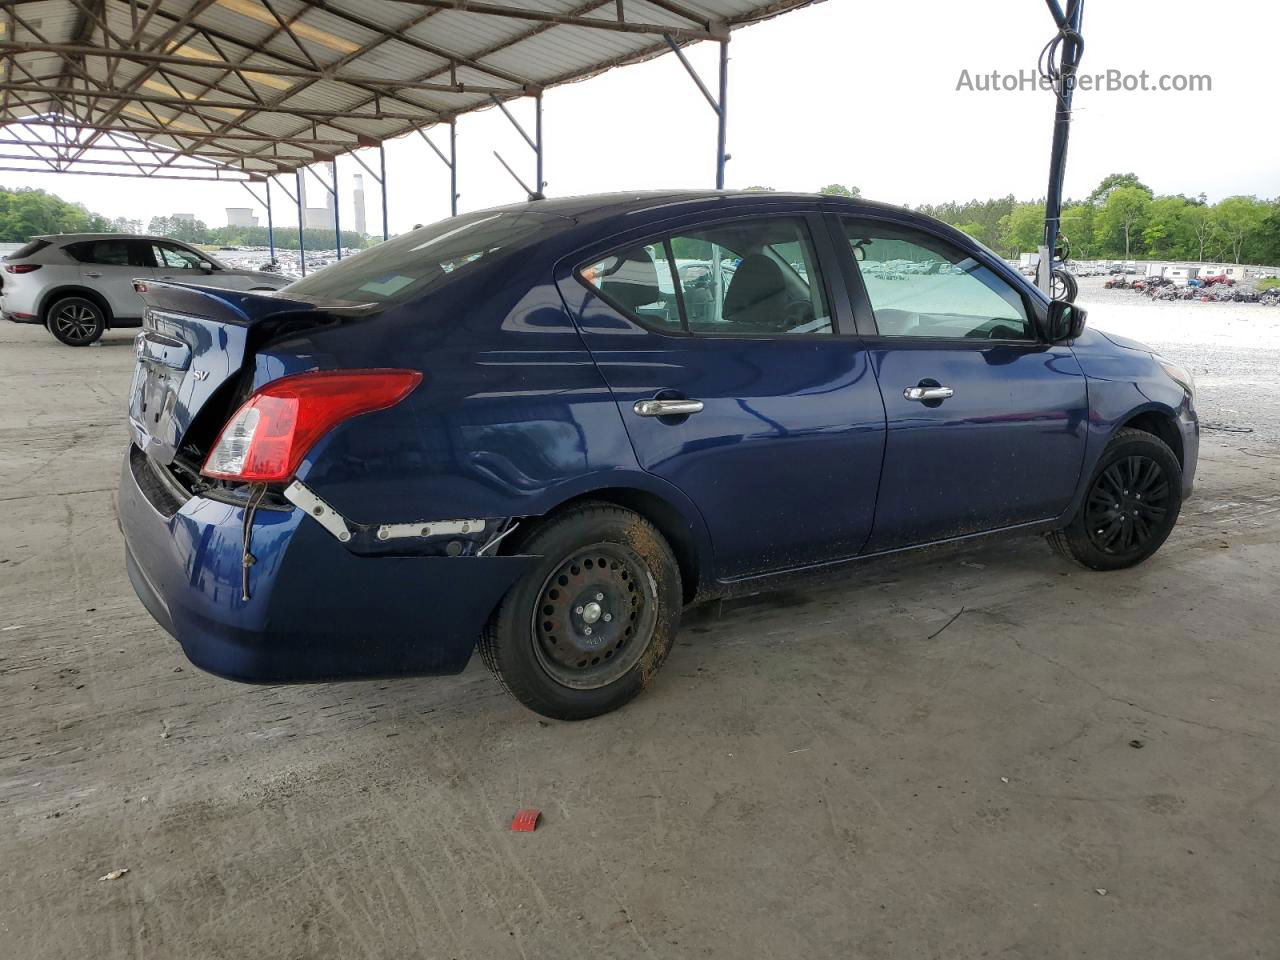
415, 262
27, 249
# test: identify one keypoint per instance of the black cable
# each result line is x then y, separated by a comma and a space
257, 494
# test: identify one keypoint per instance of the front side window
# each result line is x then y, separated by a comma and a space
173, 257
746, 278
920, 285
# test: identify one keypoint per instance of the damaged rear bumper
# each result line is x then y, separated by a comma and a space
316, 610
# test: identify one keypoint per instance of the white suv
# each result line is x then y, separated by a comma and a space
80, 284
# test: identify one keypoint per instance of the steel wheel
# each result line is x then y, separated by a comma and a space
594, 617
76, 321
1127, 505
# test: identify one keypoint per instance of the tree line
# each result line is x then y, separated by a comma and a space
26, 213
286, 238
1121, 218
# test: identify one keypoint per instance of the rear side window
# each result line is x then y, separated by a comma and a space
746, 278
638, 281
113, 253
416, 262
27, 249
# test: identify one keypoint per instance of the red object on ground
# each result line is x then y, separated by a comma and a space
525, 821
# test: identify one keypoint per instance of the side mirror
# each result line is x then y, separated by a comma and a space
1064, 321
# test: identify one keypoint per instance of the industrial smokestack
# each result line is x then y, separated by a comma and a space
359, 201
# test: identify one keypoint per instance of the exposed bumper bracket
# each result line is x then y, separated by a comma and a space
429, 528
300, 495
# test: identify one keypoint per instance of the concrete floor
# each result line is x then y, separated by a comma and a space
1080, 765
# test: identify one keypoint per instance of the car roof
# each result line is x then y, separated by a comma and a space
574, 221
636, 201
78, 237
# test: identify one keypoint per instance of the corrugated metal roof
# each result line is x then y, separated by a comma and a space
251, 87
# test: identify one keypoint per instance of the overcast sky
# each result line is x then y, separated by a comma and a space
851, 92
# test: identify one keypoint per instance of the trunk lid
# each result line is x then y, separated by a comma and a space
195, 343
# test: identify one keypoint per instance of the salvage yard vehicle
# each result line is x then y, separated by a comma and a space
513, 430
79, 285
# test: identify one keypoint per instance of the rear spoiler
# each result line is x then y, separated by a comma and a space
241, 308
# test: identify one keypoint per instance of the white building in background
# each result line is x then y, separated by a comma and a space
318, 218
359, 202
241, 217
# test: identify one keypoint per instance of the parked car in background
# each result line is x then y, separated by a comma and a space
528, 429
79, 285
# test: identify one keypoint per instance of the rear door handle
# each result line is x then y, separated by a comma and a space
928, 393
94, 275
667, 408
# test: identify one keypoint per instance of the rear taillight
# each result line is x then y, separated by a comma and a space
21, 267
268, 437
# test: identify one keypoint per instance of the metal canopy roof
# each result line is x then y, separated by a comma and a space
244, 89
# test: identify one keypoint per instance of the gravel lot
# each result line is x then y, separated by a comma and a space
985, 754
1232, 348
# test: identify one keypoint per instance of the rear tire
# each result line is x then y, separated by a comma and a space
1130, 506
76, 321
585, 630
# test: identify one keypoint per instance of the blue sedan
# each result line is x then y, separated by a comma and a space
545, 429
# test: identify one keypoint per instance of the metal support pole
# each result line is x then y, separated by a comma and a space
537, 137
453, 168
534, 142
722, 118
302, 243
382, 182
450, 161
719, 105
1071, 43
722, 114
337, 229
271, 227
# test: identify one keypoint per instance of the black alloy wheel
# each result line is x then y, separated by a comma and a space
76, 321
1130, 507
1127, 505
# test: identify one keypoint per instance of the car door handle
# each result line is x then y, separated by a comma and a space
667, 408
93, 275
928, 393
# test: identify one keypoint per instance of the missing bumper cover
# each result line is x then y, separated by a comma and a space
477, 531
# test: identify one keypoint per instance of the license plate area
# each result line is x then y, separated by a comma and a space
163, 363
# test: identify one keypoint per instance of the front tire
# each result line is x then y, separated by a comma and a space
1130, 506
588, 626
76, 321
